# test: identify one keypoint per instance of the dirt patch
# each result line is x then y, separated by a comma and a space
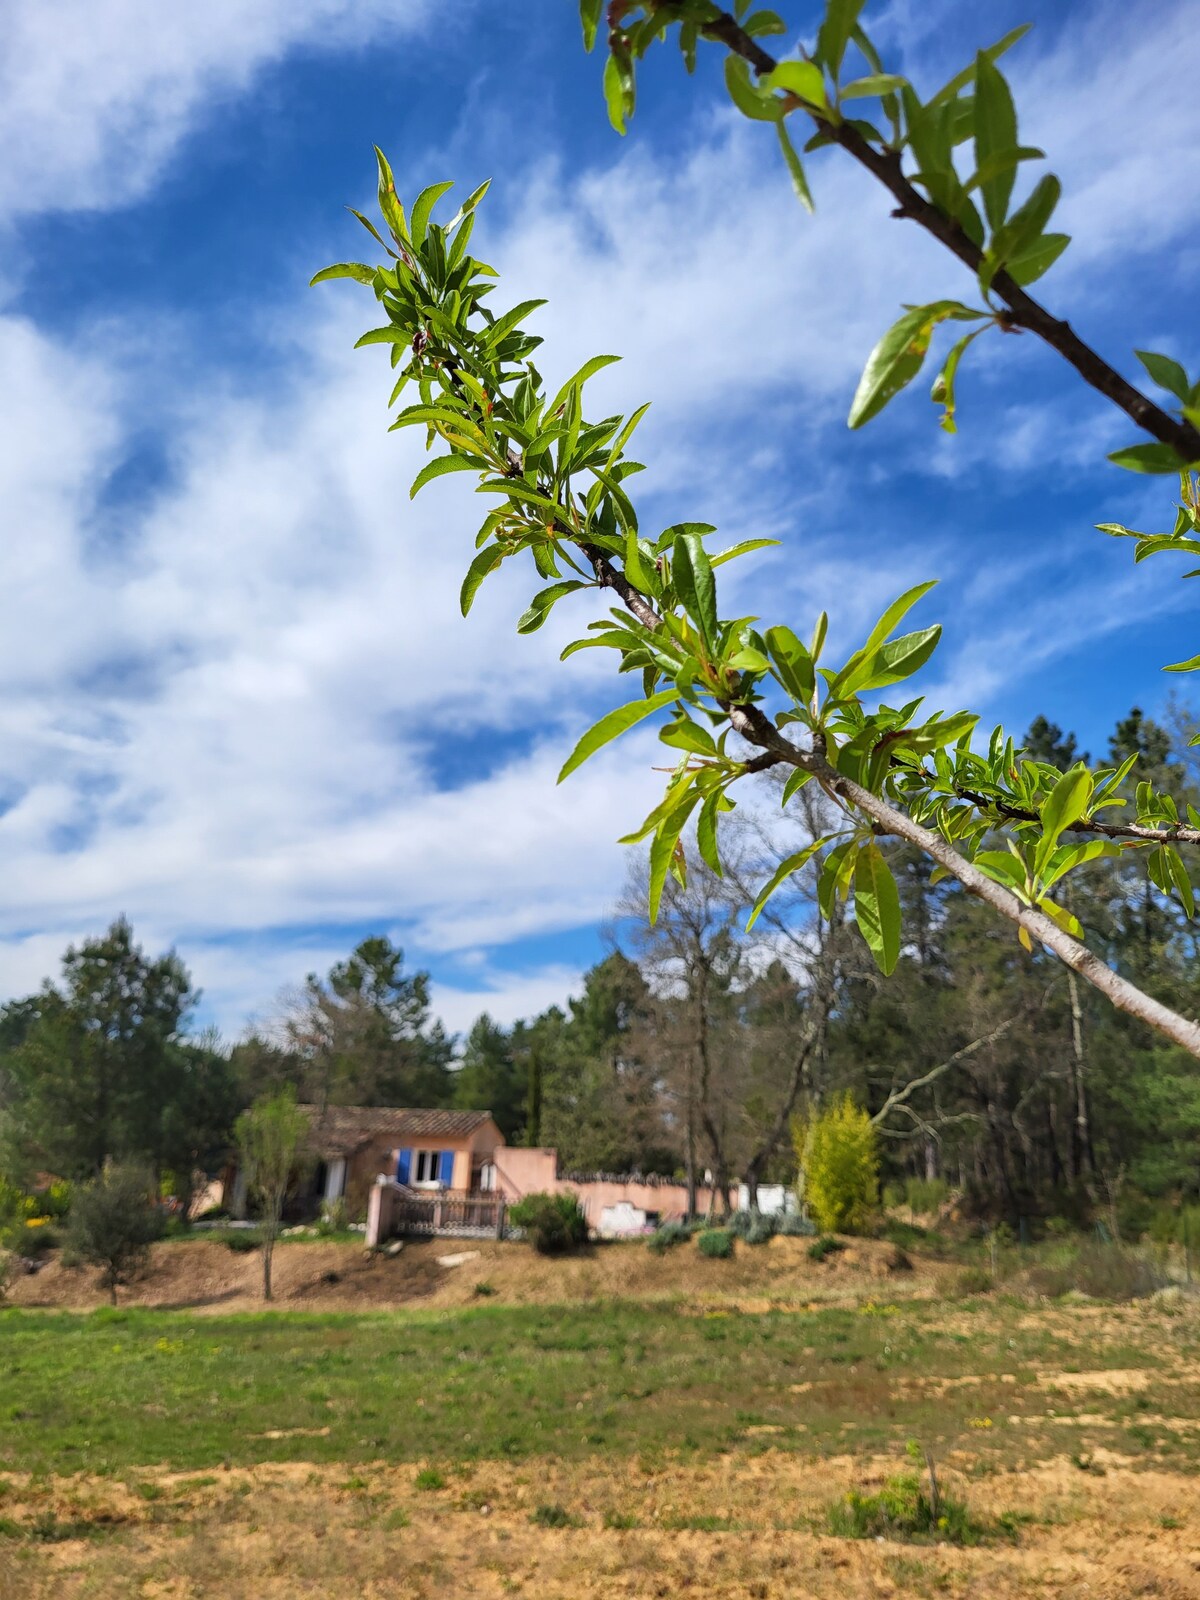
203, 1274
738, 1528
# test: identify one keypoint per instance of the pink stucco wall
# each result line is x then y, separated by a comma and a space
520, 1172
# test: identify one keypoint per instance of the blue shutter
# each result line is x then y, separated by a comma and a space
446, 1173
403, 1164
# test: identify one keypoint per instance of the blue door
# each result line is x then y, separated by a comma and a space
403, 1165
446, 1169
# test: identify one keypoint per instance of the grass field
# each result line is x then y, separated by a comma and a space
606, 1448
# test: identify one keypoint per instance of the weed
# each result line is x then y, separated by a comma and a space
396, 1519
974, 1280
554, 1516
484, 1291
429, 1478
621, 1520
826, 1245
903, 1510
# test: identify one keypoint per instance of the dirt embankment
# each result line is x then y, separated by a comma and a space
204, 1274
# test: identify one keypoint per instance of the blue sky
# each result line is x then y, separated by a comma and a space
237, 701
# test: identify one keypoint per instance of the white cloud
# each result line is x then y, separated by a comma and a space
261, 714
95, 95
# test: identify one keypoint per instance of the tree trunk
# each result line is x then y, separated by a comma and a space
268, 1251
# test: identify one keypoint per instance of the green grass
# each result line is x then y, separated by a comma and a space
113, 1390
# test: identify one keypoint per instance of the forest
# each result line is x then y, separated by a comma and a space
694, 1045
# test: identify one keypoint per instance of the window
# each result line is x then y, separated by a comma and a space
426, 1167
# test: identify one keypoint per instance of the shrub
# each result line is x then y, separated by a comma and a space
429, 1478
902, 1509
839, 1157
554, 1222
334, 1217
113, 1223
554, 1516
974, 1280
824, 1246
1101, 1271
242, 1240
752, 1226
716, 1243
793, 1226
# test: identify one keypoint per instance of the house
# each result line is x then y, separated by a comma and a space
423, 1150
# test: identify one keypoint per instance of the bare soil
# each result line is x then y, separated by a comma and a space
202, 1274
634, 1531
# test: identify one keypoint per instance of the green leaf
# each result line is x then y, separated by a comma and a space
795, 166
488, 559
742, 549
1061, 917
692, 576
793, 664
890, 664
1179, 877
544, 601
943, 394
896, 613
590, 12
840, 20
502, 325
899, 356
750, 100
586, 371
995, 132
1185, 666
1152, 458
389, 335
389, 201
358, 270
706, 831
799, 778
801, 78
1165, 372
664, 847
785, 870
1003, 867
877, 907
611, 726
877, 83
684, 734
1024, 228
1030, 264
437, 469
949, 91
620, 92
372, 230
422, 207
1067, 803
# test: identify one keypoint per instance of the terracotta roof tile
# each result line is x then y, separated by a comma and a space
340, 1130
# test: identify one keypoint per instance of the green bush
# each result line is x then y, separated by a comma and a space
824, 1246
974, 1280
113, 1223
902, 1509
1100, 1271
242, 1240
667, 1236
839, 1157
716, 1243
334, 1217
754, 1227
554, 1222
793, 1226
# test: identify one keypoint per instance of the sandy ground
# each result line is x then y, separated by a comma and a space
293, 1529
201, 1274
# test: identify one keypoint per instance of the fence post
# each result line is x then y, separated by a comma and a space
500, 1208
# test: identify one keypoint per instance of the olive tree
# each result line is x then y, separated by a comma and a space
734, 696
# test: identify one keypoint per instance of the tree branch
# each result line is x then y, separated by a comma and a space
900, 1097
757, 729
1024, 310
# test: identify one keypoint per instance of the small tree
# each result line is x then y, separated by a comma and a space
112, 1224
839, 1161
272, 1138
